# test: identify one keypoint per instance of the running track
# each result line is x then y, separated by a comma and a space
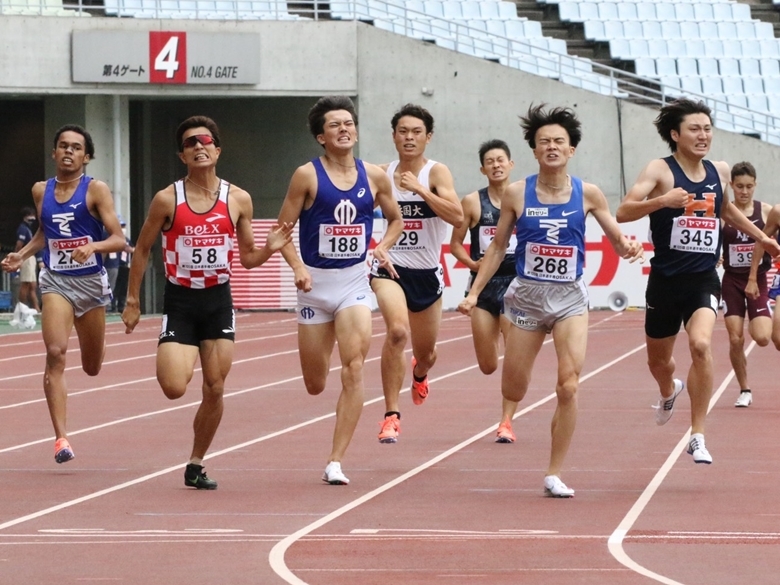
444, 505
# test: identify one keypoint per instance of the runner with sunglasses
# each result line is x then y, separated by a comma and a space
198, 217
78, 225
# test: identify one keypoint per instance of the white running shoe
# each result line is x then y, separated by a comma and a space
333, 474
665, 407
698, 450
555, 488
745, 399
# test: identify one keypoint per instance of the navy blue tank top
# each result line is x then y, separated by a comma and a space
484, 230
336, 230
688, 240
551, 237
67, 226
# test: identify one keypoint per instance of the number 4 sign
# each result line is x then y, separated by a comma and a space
167, 57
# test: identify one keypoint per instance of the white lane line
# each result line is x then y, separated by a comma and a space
179, 466
189, 404
615, 542
276, 556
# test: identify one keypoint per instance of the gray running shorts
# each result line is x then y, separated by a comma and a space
83, 292
533, 305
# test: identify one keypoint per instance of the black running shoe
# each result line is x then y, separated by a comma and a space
195, 476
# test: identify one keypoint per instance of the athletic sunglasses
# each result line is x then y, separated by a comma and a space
191, 141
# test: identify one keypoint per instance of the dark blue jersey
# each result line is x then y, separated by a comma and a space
551, 237
687, 240
336, 230
67, 226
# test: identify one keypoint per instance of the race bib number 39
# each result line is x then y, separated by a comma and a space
695, 234
342, 241
740, 255
548, 262
203, 252
60, 253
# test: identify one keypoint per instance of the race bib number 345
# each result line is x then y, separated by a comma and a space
695, 234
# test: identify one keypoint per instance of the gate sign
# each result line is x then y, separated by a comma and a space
165, 57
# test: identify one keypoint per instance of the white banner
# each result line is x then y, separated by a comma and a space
612, 282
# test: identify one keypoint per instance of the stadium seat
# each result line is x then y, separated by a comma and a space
607, 11
749, 67
645, 67
666, 66
627, 11
770, 68
687, 66
708, 67
711, 85
703, 12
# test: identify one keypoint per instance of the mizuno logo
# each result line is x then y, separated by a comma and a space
75, 205
215, 217
567, 213
711, 186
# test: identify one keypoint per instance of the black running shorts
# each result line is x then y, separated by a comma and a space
192, 315
671, 300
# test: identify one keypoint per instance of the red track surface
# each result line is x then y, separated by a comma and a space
445, 504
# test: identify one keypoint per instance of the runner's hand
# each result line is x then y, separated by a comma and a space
12, 262
131, 315
467, 304
302, 279
279, 236
381, 255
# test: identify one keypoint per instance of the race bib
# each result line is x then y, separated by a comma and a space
486, 235
412, 235
61, 253
203, 252
549, 262
342, 241
740, 255
695, 234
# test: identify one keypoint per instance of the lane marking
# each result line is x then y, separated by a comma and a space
276, 556
615, 542
178, 466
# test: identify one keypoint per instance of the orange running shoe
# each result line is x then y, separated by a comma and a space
419, 389
505, 434
62, 451
391, 426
